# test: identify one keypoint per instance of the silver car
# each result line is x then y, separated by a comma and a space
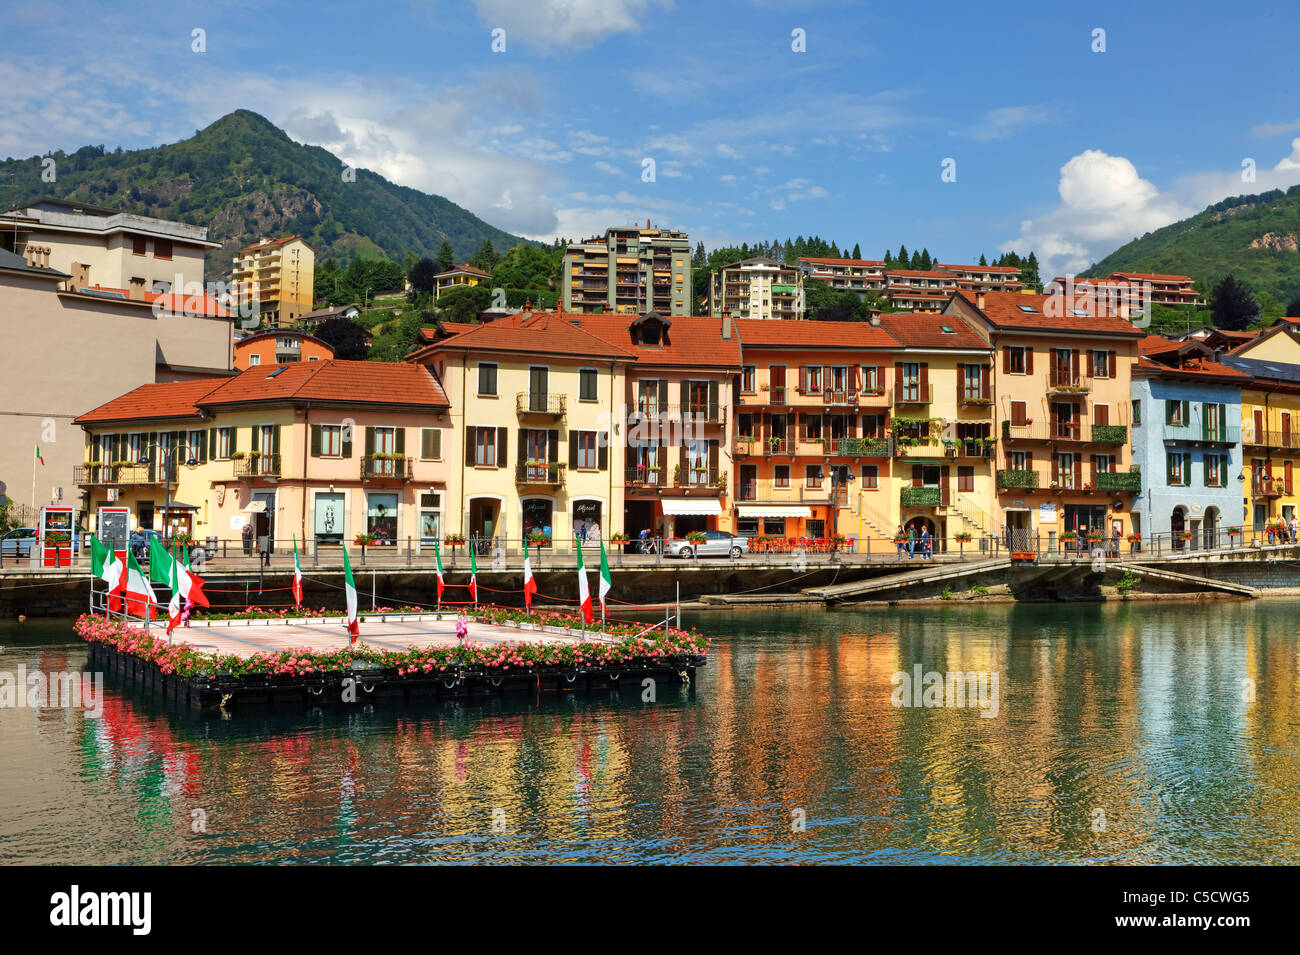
715, 544
18, 542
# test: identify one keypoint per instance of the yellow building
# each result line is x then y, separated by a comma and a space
279, 275
534, 403
457, 276
318, 451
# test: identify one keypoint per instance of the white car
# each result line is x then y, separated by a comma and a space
715, 544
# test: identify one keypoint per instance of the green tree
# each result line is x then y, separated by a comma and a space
421, 276
446, 258
1293, 308
486, 257
464, 302
347, 338
857, 251
1232, 305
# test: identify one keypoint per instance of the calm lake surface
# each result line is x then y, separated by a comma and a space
1136, 712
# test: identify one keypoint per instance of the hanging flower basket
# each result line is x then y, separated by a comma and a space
1184, 535
454, 540
539, 539
962, 536
1134, 538
365, 540
1069, 536
1234, 531
618, 539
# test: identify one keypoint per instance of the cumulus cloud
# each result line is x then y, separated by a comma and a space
553, 25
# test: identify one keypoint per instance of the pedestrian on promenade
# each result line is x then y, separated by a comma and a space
1294, 528
898, 539
248, 539
927, 542
462, 628
911, 542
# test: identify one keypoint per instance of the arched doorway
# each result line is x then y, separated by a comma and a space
1211, 528
920, 523
1177, 524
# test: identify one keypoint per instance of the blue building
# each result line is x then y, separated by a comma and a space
1187, 440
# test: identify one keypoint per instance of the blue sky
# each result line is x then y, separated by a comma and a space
1058, 148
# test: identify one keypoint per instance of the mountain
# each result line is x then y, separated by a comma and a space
1256, 238
243, 178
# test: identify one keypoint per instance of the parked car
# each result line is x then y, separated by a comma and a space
715, 544
139, 543
18, 542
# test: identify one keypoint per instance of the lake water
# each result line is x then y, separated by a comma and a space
1123, 733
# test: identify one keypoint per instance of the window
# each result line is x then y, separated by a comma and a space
1101, 364
430, 444
162, 248
911, 381
972, 382
254, 360
587, 379
331, 441
487, 380
1137, 412
1103, 464
870, 379
381, 517
1019, 414
870, 477
812, 476
839, 378
814, 373
430, 518
1215, 466
137, 245
966, 479
1019, 460
748, 380
812, 426
647, 397
1178, 466
485, 447
587, 450
223, 443
781, 475
1176, 412
1016, 359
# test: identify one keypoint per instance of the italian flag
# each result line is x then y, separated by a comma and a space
105, 566
437, 555
350, 589
530, 585
584, 593
161, 564
606, 581
297, 575
473, 576
140, 599
174, 605
40, 457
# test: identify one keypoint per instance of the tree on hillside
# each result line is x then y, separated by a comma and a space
421, 276
1293, 308
446, 256
408, 263
486, 257
699, 257
347, 338
983, 261
1232, 305
464, 302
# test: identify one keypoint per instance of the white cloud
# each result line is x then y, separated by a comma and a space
552, 25
1002, 122
1276, 129
608, 169
1105, 203
803, 189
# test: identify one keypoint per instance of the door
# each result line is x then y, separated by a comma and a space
1019, 538
777, 374
748, 490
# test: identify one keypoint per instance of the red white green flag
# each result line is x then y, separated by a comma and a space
140, 599
473, 575
105, 565
40, 457
584, 592
175, 604
297, 575
437, 554
350, 589
530, 586
606, 581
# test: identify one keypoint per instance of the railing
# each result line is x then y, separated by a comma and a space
920, 496
675, 477
1200, 432
1058, 430
1065, 383
97, 475
967, 397
549, 474
1264, 438
257, 464
541, 402
914, 394
653, 410
382, 466
873, 447
646, 476
792, 491
931, 447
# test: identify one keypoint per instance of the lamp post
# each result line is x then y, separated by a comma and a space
167, 454
836, 482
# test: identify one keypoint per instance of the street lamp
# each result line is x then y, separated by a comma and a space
836, 482
167, 455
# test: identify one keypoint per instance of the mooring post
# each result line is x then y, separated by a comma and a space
408, 552
374, 577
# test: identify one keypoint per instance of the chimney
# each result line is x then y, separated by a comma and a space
80, 277
29, 256
875, 319
136, 292
979, 300
726, 326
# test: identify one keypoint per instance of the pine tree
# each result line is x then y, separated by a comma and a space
857, 251
446, 256
902, 257
982, 259
889, 259
699, 259
925, 259
916, 261
1232, 306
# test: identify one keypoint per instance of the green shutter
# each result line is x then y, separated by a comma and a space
257, 438
1205, 470
1169, 469
400, 443
1187, 419
1223, 422
315, 440
345, 439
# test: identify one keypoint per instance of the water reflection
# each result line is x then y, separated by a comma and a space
1137, 713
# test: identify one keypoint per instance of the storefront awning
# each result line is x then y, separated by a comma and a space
677, 506
759, 510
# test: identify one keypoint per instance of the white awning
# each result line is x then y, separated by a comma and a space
686, 505
759, 510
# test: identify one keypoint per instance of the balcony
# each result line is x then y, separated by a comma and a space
1266, 487
675, 478
1011, 479
905, 447
121, 475
385, 467
1109, 434
773, 446
974, 398
920, 496
877, 447
1130, 481
768, 491
540, 474
1064, 383
973, 448
914, 394
256, 464
541, 403
1203, 433
839, 397
1057, 430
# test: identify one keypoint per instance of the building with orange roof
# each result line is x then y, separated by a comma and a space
757, 288
277, 277
845, 275
1134, 292
629, 271
318, 451
458, 275
280, 346
1187, 442
1062, 410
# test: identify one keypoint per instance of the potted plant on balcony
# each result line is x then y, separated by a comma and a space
453, 541
962, 538
364, 540
1183, 535
1093, 537
539, 539
774, 444
1069, 537
677, 474
1234, 531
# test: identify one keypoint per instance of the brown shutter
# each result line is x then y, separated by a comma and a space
553, 446
713, 459
1091, 372
573, 448
683, 464
916, 475
1101, 414
1111, 360
470, 437
1029, 359
503, 435
602, 451
713, 401
1286, 478
1006, 359
1056, 469
522, 448
663, 396
685, 396
803, 379
925, 381
898, 382
1074, 364
661, 458
945, 488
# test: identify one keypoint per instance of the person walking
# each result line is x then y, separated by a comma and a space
1294, 525
911, 542
927, 543
247, 534
899, 536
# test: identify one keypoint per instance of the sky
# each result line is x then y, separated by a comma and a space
963, 128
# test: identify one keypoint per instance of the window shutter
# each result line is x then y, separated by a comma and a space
1187, 405
1056, 469
663, 395
1029, 461
661, 458
1101, 414
523, 447
602, 451
503, 458
1223, 422
1169, 412
212, 443
826, 378
713, 457
234, 440
1110, 360
275, 439
573, 448
925, 381
1286, 478
94, 447
858, 377
1074, 364
1169, 469
685, 404
1029, 360
852, 429
553, 446
985, 375
1006, 359
315, 440
803, 379
399, 444
916, 475
1205, 470
1091, 364
203, 447
683, 462
257, 439
370, 441
713, 401
945, 487
470, 438
803, 426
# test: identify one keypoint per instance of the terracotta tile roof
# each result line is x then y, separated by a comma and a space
461, 268
790, 333
858, 262
1158, 344
978, 268
168, 399
691, 340
1005, 310
926, 330
1152, 276
919, 273
534, 333
173, 303
353, 382
1145, 367
267, 245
